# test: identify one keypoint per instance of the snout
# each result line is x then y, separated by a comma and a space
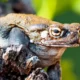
76, 28
79, 35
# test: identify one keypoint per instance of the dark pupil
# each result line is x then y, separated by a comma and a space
56, 31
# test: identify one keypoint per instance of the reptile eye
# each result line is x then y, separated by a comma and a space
55, 32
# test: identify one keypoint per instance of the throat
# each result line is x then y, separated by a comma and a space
45, 52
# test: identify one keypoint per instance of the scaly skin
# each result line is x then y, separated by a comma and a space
45, 38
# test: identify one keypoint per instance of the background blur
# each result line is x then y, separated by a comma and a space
64, 11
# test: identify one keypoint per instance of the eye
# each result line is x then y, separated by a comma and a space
55, 32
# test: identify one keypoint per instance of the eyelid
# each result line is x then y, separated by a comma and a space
36, 27
56, 29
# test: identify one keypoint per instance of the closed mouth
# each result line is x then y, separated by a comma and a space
69, 41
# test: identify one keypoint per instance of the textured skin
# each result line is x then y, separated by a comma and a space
28, 22
17, 29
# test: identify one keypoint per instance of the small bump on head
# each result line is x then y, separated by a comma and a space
44, 34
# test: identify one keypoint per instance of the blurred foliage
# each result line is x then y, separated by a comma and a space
4, 1
45, 8
76, 6
50, 8
67, 68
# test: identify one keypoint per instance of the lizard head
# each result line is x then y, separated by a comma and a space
59, 35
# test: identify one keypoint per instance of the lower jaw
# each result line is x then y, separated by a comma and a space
65, 45
73, 43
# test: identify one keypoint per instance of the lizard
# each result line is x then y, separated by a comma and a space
45, 38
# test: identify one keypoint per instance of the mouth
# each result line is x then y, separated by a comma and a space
71, 40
